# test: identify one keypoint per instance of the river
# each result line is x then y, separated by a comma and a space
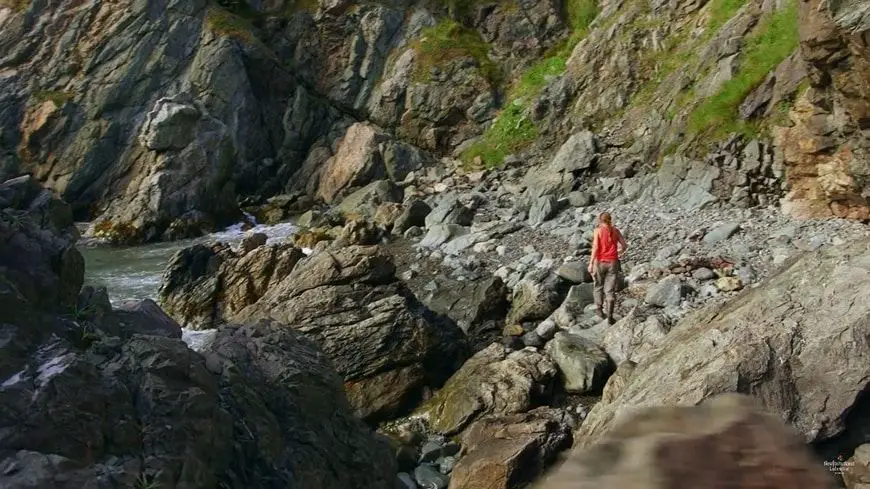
135, 272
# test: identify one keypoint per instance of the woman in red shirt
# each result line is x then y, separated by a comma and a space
608, 246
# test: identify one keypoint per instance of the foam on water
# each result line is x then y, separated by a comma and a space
137, 272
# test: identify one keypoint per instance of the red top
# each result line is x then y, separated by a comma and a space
608, 239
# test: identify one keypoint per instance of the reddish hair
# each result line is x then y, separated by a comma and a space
604, 218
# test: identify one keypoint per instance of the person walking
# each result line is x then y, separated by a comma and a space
608, 246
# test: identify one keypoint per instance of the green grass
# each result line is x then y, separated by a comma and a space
449, 40
533, 80
580, 14
228, 24
721, 11
510, 132
57, 97
774, 39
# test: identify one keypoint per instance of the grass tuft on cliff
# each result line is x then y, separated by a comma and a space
57, 97
226, 23
510, 132
15, 5
775, 39
448, 40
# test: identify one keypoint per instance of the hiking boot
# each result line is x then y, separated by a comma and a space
600, 313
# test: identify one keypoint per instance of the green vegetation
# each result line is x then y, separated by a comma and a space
536, 77
775, 38
225, 23
15, 5
721, 11
580, 14
510, 132
144, 482
449, 40
57, 97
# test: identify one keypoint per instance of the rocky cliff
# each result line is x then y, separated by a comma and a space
159, 120
96, 397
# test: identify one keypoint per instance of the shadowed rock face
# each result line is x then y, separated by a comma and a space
724, 442
98, 398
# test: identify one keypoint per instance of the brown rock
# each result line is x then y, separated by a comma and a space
507, 452
856, 470
725, 442
356, 162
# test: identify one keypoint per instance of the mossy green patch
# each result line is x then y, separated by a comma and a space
721, 11
580, 15
533, 80
774, 39
510, 132
225, 23
450, 40
15, 5
57, 97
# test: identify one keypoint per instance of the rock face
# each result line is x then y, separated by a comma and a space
385, 343
507, 452
203, 283
777, 342
825, 151
114, 399
584, 366
724, 442
490, 382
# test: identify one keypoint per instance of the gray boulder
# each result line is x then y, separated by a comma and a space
577, 153
668, 292
450, 211
543, 209
575, 272
584, 366
720, 233
490, 382
573, 308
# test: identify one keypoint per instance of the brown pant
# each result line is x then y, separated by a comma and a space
605, 276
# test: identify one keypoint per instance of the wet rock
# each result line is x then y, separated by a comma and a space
251, 241
742, 445
508, 452
584, 366
666, 293
490, 382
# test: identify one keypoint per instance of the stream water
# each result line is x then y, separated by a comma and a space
135, 272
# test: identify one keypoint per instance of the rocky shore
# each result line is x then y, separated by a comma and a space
431, 324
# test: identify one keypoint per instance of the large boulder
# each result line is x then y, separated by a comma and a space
478, 306
584, 366
725, 442
491, 382
508, 452
385, 343
805, 326
203, 284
